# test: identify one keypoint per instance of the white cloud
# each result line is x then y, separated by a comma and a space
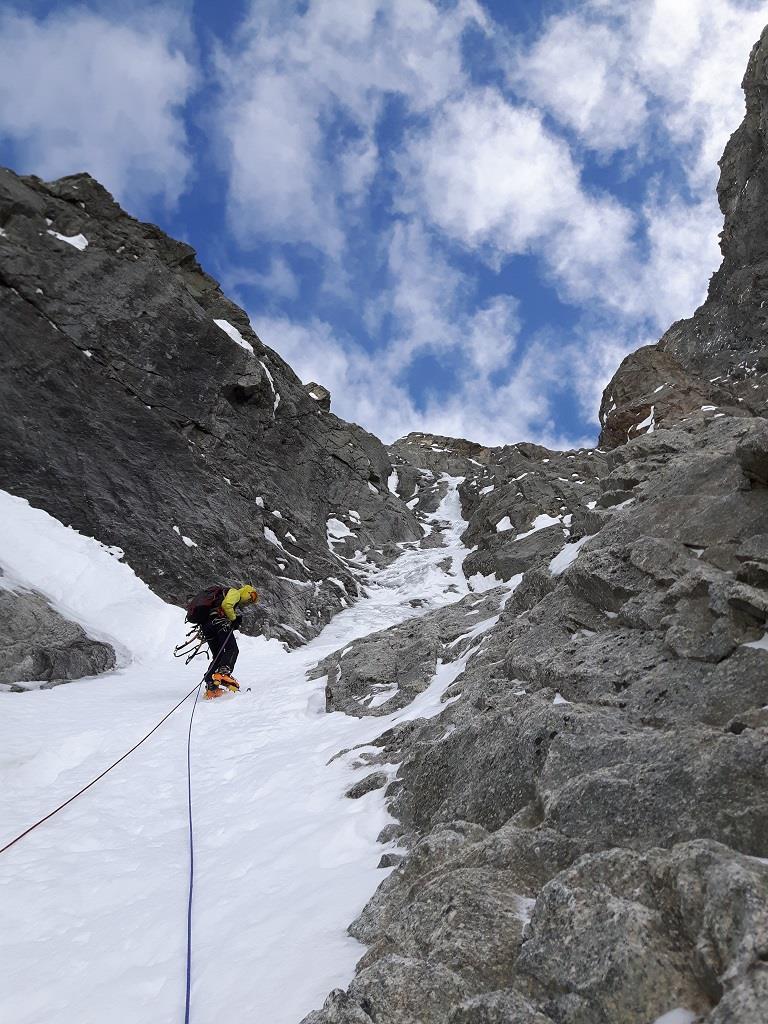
578, 71
592, 357
522, 407
357, 165
80, 92
683, 253
360, 390
619, 73
433, 311
491, 334
365, 391
691, 54
276, 174
278, 282
485, 175
490, 175
302, 94
424, 290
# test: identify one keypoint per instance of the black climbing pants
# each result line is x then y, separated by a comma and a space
224, 649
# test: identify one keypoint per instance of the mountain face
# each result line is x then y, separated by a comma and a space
147, 414
718, 357
584, 821
584, 828
581, 831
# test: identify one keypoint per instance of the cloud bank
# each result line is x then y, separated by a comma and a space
454, 226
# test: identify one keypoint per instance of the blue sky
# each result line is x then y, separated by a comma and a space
457, 215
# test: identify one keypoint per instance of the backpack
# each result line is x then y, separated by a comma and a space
200, 607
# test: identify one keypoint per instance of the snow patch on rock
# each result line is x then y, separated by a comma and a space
76, 241
233, 333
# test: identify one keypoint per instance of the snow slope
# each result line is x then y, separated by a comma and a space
93, 903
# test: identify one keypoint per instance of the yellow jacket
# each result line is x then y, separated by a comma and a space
234, 597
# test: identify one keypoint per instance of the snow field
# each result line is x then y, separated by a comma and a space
93, 903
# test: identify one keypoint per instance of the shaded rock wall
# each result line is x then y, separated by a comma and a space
140, 421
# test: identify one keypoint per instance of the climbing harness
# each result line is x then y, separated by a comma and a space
194, 644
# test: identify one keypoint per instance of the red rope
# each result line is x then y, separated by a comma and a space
94, 781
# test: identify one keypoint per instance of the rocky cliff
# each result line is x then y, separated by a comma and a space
583, 830
146, 413
716, 362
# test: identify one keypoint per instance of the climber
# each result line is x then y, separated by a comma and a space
218, 612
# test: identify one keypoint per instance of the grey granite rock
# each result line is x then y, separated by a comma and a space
622, 937
39, 645
339, 1008
503, 1007
374, 781
401, 990
394, 990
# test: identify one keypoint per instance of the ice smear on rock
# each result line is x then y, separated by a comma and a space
761, 644
540, 523
568, 555
677, 1016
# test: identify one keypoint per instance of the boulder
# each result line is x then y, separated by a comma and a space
41, 646
320, 395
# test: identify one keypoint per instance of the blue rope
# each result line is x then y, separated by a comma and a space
191, 836
191, 856
191, 839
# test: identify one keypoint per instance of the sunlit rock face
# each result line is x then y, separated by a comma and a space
586, 822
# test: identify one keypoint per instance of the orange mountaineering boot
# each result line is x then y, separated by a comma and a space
212, 691
225, 679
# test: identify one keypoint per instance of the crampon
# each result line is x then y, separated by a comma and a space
212, 692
